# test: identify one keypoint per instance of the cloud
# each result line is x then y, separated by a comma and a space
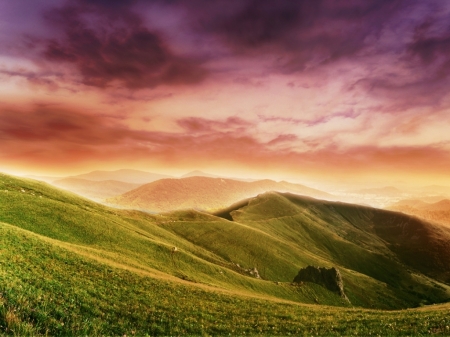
316, 120
415, 72
60, 137
48, 124
195, 125
301, 34
430, 46
108, 44
283, 139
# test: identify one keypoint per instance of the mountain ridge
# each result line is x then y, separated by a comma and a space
202, 193
93, 189
123, 175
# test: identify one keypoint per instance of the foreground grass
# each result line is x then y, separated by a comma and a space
47, 290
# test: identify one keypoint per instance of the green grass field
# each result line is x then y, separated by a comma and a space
69, 266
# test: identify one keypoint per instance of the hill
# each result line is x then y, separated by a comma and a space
387, 191
112, 271
438, 212
202, 193
435, 189
95, 190
124, 175
198, 173
345, 231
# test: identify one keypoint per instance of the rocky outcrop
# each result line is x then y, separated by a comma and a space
254, 272
328, 278
250, 271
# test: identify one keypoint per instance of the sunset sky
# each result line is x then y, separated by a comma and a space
318, 90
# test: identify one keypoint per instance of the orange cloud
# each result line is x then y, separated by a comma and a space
61, 137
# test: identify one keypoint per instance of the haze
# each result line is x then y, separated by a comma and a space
348, 92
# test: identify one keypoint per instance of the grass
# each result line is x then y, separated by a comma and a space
47, 290
69, 266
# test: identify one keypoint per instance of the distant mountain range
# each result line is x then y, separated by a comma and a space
198, 173
203, 193
95, 190
436, 189
389, 191
437, 212
124, 175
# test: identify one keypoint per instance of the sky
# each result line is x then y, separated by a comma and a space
320, 90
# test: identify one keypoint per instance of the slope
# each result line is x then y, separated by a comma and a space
80, 296
202, 193
132, 239
278, 233
423, 246
211, 247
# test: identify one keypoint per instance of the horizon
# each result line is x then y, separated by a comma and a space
325, 186
317, 93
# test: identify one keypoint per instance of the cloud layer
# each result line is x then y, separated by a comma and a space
359, 86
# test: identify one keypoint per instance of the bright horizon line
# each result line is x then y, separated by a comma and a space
326, 185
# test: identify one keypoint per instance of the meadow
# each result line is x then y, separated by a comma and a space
69, 266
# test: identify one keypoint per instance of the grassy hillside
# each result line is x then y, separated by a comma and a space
202, 193
71, 266
80, 296
131, 238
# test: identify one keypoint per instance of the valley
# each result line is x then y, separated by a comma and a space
61, 253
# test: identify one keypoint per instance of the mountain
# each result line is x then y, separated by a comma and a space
390, 191
436, 189
438, 212
198, 173
202, 193
70, 266
124, 175
95, 190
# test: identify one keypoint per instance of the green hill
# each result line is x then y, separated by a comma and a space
71, 266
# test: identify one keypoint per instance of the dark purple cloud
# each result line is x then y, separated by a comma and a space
107, 43
432, 47
302, 34
120, 42
418, 74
